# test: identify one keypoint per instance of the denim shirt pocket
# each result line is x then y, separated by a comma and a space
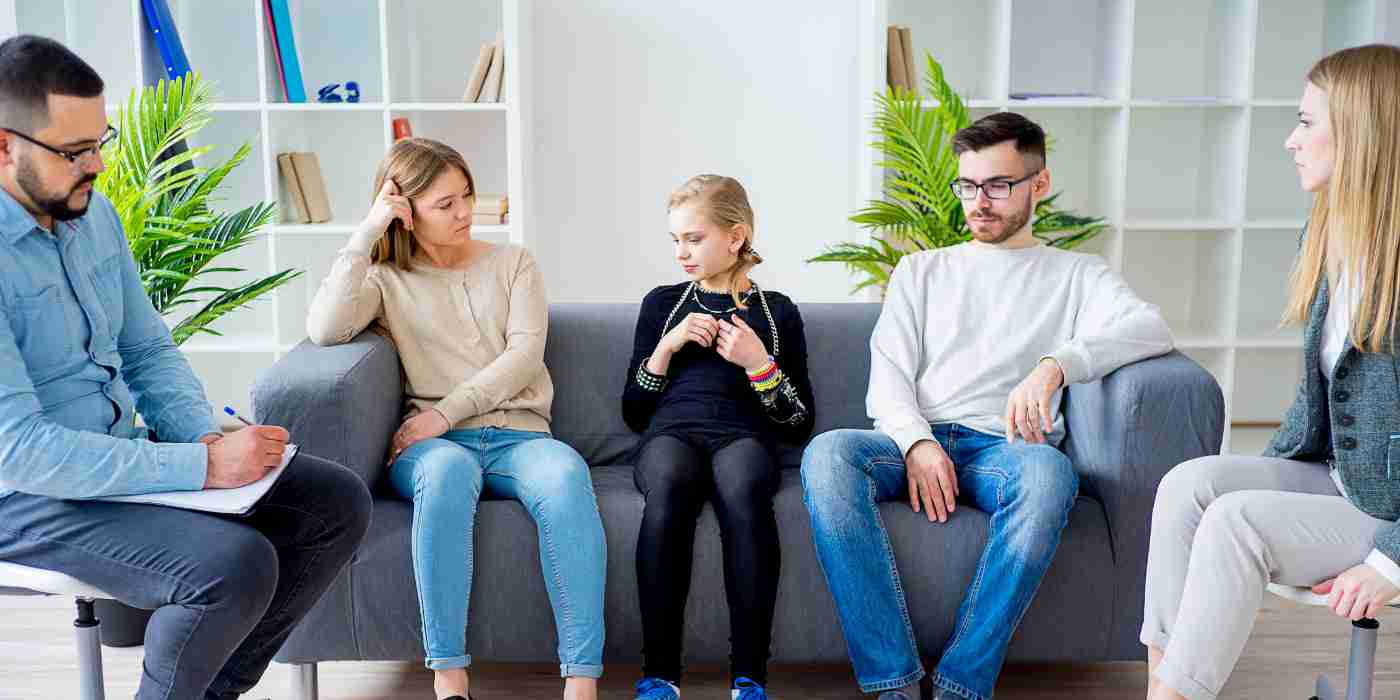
106, 282
45, 331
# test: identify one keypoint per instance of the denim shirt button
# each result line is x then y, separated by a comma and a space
1348, 421
1342, 372
1348, 443
1341, 396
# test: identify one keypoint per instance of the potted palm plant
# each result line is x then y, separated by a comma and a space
165, 199
918, 211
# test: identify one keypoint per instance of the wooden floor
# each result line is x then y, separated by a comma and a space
1291, 644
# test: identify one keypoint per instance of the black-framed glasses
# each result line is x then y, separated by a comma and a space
75, 155
995, 189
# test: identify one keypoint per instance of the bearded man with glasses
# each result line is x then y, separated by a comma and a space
81, 352
968, 361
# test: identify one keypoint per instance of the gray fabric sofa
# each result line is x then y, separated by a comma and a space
1124, 433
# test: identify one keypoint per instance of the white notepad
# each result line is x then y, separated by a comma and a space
228, 501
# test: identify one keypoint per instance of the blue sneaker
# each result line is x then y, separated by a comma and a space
746, 689
657, 689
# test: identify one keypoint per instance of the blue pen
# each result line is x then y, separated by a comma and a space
229, 410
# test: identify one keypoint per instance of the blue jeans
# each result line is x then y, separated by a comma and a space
446, 476
1027, 489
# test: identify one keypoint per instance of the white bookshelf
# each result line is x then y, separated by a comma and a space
1174, 133
411, 59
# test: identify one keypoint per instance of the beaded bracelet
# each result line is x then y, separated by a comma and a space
649, 381
772, 381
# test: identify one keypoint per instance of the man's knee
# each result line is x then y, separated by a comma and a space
829, 466
239, 570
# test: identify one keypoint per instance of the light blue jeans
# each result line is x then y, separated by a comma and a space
1027, 489
446, 476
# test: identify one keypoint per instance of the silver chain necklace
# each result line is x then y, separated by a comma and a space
692, 290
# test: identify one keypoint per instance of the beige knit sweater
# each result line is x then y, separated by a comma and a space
471, 340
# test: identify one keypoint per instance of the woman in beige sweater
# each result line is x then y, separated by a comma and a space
468, 318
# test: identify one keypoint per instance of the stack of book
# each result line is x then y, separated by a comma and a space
304, 196
486, 78
490, 210
899, 59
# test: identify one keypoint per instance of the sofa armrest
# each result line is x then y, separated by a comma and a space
1125, 432
341, 402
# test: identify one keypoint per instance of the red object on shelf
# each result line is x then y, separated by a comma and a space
402, 129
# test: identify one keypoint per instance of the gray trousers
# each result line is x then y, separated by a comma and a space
1223, 528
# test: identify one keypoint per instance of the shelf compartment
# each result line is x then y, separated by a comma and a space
348, 145
337, 41
1185, 164
1291, 36
1264, 272
1191, 49
1069, 47
1186, 274
436, 47
221, 41
971, 50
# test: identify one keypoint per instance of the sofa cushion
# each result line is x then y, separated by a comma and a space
511, 619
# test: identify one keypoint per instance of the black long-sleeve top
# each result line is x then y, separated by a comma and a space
702, 389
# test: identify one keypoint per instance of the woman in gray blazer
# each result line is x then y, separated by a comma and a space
1320, 507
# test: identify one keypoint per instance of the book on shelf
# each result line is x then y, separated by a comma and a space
906, 45
478, 77
496, 204
294, 202
894, 59
491, 88
306, 182
276, 51
166, 37
402, 128
286, 50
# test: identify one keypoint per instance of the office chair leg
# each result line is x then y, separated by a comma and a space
89, 634
304, 682
1361, 665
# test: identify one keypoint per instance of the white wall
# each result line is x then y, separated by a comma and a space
633, 96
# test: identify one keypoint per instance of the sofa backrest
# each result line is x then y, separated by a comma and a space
590, 345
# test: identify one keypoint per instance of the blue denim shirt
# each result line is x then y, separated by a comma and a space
81, 350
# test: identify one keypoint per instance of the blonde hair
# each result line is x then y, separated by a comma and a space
725, 203
413, 164
1359, 211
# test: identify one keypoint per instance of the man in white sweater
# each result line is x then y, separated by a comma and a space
968, 360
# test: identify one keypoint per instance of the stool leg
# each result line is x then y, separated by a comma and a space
89, 633
304, 682
1361, 665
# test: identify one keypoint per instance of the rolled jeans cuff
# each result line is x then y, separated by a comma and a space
895, 683
1178, 680
580, 670
447, 662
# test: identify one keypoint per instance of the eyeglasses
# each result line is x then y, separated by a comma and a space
995, 189
73, 156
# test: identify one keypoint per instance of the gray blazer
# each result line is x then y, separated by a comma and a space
1355, 422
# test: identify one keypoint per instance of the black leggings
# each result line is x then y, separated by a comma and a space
677, 476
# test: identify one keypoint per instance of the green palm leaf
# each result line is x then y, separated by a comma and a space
164, 200
918, 211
